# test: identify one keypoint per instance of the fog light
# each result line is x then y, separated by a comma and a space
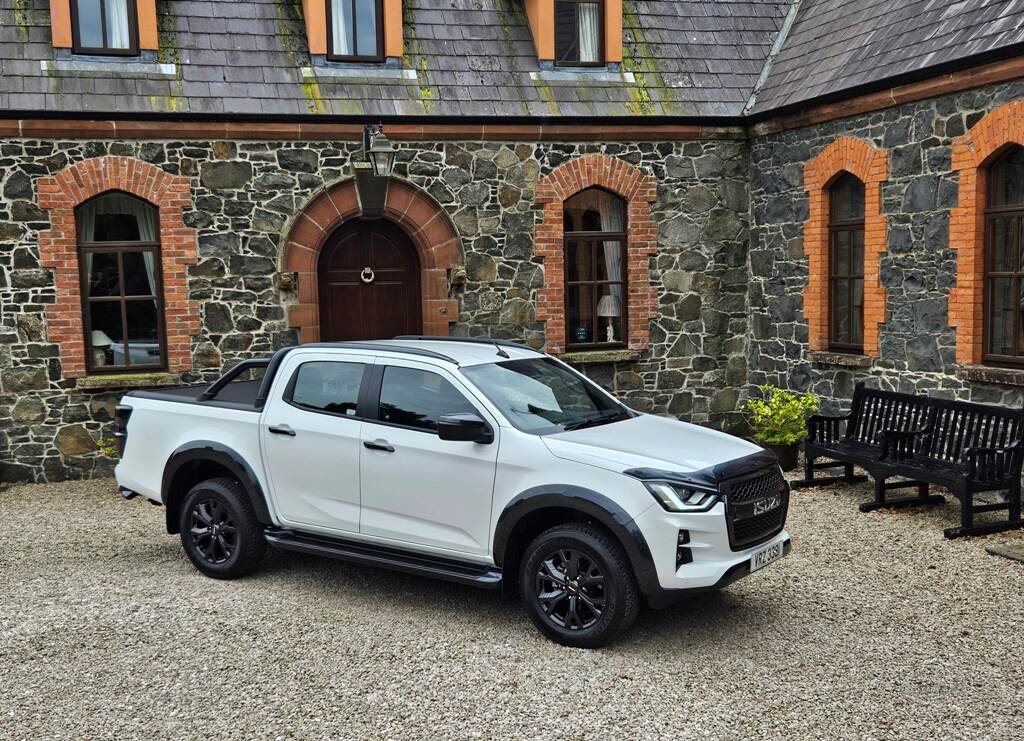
683, 554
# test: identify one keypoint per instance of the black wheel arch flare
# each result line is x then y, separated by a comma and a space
593, 505
208, 451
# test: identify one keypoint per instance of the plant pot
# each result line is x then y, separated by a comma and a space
788, 455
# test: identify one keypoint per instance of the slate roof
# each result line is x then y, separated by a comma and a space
682, 58
463, 58
837, 45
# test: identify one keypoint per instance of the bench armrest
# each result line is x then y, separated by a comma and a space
995, 465
823, 429
898, 445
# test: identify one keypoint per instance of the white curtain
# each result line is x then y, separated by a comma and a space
118, 203
341, 27
612, 220
117, 24
589, 22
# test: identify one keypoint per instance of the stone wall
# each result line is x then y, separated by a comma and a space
244, 196
917, 346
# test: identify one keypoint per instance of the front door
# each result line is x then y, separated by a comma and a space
369, 283
416, 487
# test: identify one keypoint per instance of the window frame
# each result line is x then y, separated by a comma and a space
622, 239
331, 56
133, 32
82, 248
836, 227
601, 14
991, 214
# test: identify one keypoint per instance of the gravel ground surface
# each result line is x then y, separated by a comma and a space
875, 627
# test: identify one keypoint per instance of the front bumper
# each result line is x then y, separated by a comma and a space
714, 564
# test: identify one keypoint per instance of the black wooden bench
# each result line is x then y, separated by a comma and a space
965, 447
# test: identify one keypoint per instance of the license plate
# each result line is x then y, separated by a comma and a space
766, 556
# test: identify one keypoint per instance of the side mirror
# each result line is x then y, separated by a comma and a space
465, 427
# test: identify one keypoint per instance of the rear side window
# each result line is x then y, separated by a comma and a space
328, 387
417, 398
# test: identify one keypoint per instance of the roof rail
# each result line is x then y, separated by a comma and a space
378, 345
478, 340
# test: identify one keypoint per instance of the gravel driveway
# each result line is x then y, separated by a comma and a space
875, 627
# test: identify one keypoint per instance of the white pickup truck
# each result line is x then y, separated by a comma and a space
482, 462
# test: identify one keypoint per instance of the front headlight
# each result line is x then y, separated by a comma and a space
679, 498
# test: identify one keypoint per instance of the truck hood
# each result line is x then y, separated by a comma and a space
647, 442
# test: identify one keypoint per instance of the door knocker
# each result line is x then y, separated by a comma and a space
367, 275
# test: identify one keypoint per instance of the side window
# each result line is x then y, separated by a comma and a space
328, 386
417, 398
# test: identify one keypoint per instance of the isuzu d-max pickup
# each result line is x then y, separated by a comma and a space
477, 461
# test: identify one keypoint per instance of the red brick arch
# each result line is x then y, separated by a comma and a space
639, 190
58, 250
871, 166
420, 217
972, 154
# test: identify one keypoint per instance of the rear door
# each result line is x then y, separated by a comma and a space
311, 438
417, 488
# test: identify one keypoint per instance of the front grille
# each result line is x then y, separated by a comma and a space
764, 484
747, 526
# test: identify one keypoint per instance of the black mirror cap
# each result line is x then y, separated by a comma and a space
465, 427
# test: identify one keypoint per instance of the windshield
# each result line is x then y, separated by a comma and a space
541, 396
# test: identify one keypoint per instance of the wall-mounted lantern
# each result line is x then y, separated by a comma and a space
374, 172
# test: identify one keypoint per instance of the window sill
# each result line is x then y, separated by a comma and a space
841, 359
991, 374
357, 71
114, 67
577, 75
592, 357
128, 381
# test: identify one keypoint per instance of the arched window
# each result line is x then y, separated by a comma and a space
122, 301
105, 27
846, 264
1004, 271
579, 32
595, 273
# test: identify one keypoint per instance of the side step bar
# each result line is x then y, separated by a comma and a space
475, 575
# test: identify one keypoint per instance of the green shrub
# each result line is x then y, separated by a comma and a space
780, 416
108, 447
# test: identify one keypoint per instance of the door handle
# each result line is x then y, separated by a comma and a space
379, 445
282, 430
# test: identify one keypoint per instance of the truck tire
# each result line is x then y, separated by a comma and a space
219, 529
578, 586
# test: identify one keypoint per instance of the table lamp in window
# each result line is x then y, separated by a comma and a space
609, 307
101, 344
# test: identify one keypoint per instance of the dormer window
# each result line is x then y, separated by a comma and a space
579, 32
355, 30
105, 27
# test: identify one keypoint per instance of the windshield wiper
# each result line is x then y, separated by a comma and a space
600, 419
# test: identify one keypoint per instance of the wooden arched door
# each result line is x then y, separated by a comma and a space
369, 277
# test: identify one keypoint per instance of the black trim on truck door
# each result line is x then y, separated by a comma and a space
177, 471
590, 503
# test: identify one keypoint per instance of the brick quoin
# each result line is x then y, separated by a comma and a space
639, 190
419, 216
871, 166
58, 250
972, 154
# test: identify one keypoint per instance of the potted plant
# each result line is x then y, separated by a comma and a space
779, 421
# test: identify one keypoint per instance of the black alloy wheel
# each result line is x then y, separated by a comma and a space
213, 531
577, 585
219, 529
570, 589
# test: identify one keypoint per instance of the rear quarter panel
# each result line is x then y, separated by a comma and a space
158, 428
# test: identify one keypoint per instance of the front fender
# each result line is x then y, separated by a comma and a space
595, 506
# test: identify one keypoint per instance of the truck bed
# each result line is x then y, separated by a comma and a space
235, 395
